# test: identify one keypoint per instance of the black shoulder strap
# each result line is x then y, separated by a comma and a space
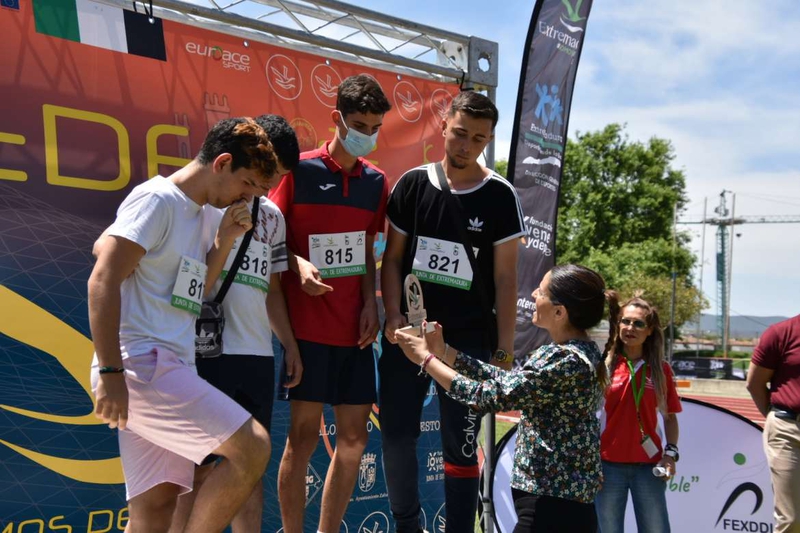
237, 261
461, 223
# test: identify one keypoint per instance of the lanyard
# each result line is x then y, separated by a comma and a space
638, 390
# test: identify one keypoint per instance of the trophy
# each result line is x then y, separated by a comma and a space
416, 310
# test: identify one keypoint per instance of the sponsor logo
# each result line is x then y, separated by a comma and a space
538, 235
525, 310
572, 15
570, 20
440, 104
732, 524
439, 521
549, 108
408, 101
284, 77
306, 134
327, 186
376, 522
435, 461
552, 160
11, 4
313, 483
325, 84
475, 224
229, 59
367, 472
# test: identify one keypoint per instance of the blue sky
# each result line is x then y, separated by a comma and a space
721, 80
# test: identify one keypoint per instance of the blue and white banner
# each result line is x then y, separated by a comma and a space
552, 51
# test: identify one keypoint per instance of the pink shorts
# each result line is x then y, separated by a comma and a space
175, 419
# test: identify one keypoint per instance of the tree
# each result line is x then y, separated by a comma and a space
616, 192
501, 167
616, 209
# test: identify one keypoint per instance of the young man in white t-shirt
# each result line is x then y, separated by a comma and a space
143, 293
254, 306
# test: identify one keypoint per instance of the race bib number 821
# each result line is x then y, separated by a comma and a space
443, 262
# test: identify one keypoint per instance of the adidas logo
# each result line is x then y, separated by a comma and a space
327, 186
475, 225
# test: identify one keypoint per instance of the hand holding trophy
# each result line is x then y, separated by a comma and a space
416, 308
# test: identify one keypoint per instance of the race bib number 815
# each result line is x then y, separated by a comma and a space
338, 254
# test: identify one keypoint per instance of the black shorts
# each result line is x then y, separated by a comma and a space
247, 379
335, 374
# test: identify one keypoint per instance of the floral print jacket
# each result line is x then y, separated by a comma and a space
558, 438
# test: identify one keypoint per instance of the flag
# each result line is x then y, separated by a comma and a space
101, 25
550, 62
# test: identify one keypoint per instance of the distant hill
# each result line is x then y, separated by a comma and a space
742, 326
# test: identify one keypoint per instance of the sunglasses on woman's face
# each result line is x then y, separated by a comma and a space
636, 323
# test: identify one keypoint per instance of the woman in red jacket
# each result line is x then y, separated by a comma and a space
633, 455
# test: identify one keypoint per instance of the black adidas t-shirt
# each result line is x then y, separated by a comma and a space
419, 210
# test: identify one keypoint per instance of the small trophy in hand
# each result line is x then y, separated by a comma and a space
416, 308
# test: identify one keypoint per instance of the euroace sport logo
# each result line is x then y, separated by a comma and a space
230, 60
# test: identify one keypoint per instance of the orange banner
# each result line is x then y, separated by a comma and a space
83, 124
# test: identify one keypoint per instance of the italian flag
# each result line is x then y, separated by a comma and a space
101, 25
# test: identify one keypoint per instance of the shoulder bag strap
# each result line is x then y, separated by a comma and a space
237, 261
461, 222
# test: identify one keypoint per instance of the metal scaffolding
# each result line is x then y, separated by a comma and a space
343, 31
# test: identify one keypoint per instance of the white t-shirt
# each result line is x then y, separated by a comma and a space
160, 218
247, 329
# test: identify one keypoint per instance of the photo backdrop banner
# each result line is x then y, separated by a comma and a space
96, 100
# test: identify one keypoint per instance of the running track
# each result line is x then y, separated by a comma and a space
742, 406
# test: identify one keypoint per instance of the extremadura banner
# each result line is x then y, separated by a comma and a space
550, 62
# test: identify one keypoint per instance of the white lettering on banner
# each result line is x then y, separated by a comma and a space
547, 135
429, 425
230, 60
566, 42
538, 236
435, 462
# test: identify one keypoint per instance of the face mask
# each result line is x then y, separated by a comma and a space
356, 143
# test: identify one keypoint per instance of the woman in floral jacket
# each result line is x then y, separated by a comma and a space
558, 390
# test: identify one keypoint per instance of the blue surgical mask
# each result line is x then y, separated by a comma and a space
356, 143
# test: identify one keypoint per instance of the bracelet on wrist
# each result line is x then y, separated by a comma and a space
111, 370
424, 364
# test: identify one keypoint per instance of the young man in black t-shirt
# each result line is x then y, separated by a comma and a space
475, 302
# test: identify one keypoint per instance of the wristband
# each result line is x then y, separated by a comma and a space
111, 370
424, 364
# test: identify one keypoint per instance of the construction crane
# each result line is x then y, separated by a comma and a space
725, 221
